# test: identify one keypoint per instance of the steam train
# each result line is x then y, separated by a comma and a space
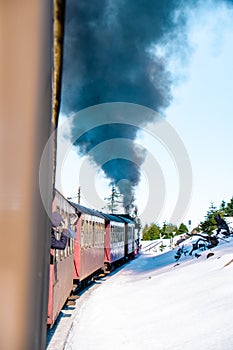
100, 242
30, 105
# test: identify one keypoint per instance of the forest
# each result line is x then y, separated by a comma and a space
169, 230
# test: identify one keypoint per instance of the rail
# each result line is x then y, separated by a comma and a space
152, 245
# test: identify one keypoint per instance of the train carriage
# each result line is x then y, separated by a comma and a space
61, 262
130, 244
89, 242
97, 241
114, 244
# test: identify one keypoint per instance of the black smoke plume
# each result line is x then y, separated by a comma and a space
110, 56
107, 52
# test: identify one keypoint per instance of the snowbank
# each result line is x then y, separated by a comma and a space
156, 303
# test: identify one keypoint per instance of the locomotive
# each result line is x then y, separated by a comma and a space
100, 242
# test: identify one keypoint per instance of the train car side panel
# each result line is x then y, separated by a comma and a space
114, 244
107, 251
62, 261
61, 283
50, 297
92, 244
131, 238
92, 259
77, 250
89, 242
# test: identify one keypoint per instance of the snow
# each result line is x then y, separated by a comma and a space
154, 302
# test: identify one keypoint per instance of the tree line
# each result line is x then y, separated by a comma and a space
168, 230
154, 231
209, 224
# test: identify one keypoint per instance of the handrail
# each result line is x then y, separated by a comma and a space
152, 245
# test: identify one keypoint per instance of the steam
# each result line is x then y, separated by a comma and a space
107, 53
111, 55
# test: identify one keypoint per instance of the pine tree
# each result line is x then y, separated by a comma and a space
144, 233
209, 224
150, 233
229, 208
168, 229
222, 207
182, 229
112, 201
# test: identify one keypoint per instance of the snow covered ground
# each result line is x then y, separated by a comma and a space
157, 303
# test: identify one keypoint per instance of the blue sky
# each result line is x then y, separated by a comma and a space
200, 113
202, 109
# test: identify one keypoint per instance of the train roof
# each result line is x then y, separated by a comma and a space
111, 217
126, 218
81, 209
123, 218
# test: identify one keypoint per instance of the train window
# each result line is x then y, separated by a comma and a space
63, 214
115, 235
112, 235
90, 233
68, 214
100, 232
73, 227
122, 231
57, 256
93, 234
86, 234
101, 235
96, 239
65, 252
102, 229
57, 251
82, 234
62, 254
96, 229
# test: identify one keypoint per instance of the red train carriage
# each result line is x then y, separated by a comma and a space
61, 264
89, 243
114, 243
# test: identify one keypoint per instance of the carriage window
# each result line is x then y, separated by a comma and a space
103, 233
82, 234
97, 234
112, 234
90, 233
86, 234
100, 229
